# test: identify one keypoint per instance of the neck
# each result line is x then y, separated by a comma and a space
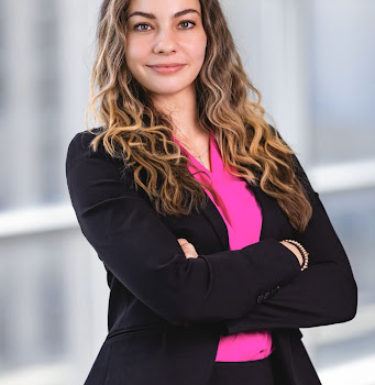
182, 110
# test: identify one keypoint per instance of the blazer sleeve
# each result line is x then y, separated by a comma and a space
325, 293
144, 255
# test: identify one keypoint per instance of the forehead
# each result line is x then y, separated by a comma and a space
163, 7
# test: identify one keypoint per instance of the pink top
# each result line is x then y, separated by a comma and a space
236, 204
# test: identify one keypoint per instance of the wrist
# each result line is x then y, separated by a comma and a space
294, 249
304, 261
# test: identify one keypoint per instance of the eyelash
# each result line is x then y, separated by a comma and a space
139, 24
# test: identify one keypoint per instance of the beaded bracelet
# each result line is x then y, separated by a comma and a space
303, 252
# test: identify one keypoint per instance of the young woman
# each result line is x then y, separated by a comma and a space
217, 249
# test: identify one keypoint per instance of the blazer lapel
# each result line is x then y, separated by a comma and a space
217, 222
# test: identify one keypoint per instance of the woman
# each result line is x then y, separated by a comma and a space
217, 249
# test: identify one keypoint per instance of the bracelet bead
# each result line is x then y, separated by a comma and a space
303, 252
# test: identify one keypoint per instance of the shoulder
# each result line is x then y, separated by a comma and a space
85, 166
94, 176
80, 150
81, 142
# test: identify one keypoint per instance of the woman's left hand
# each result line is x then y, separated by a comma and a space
188, 248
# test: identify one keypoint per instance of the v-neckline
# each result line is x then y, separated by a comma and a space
211, 212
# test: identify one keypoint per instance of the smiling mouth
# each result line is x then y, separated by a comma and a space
167, 65
167, 68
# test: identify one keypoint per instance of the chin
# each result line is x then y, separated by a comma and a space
167, 90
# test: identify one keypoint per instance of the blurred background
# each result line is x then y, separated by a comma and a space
313, 61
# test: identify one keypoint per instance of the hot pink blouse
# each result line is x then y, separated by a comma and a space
237, 205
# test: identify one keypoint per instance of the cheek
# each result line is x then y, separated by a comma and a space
134, 53
199, 50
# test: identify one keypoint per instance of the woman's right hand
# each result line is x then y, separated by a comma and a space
295, 251
188, 248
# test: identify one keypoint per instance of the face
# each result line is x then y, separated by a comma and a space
166, 44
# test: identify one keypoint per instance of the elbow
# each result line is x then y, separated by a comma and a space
348, 301
348, 313
352, 306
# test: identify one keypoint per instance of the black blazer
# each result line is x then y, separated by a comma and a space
167, 313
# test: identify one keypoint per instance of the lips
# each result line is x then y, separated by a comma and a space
167, 65
167, 68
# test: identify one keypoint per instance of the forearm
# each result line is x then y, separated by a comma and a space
323, 294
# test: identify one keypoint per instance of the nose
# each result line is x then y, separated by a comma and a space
165, 43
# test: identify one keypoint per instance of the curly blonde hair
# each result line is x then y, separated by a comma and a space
133, 130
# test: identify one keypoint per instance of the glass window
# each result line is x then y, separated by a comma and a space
343, 79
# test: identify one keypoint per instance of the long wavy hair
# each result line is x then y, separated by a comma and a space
133, 130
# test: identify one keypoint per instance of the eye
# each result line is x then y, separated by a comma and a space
185, 24
142, 27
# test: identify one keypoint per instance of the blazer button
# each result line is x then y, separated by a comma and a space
275, 290
260, 299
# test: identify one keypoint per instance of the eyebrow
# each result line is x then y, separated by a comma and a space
153, 17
